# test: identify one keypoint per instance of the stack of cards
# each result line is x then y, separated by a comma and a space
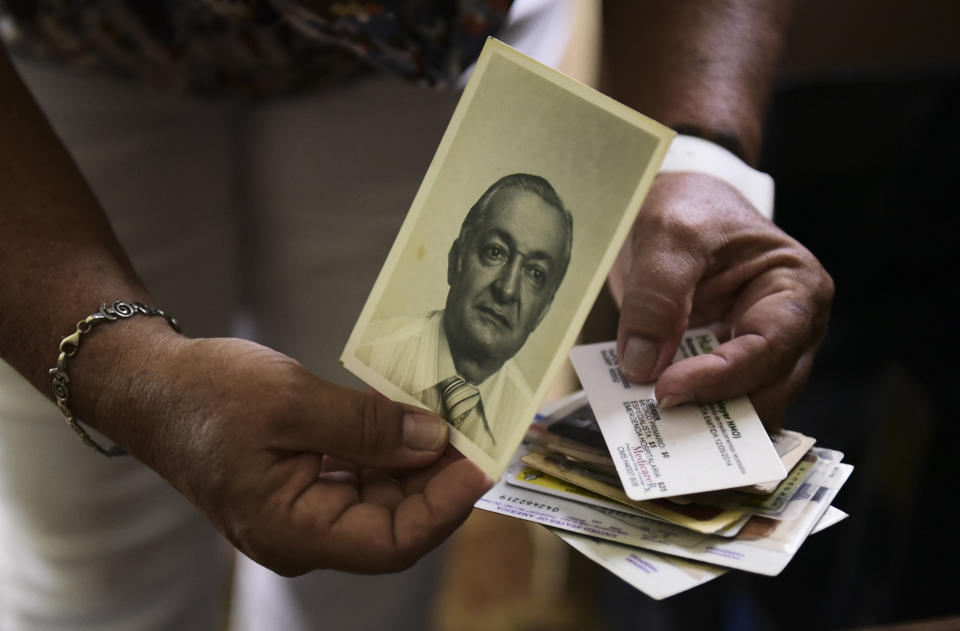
667, 499
539, 173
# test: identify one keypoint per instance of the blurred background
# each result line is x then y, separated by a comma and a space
862, 139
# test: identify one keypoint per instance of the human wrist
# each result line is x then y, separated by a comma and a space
697, 155
110, 386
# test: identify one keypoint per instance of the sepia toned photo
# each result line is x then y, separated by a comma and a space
505, 247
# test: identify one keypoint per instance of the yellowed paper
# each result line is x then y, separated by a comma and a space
556, 173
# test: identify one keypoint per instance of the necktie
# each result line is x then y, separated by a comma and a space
459, 398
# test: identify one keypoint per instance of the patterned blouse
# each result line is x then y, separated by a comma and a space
255, 47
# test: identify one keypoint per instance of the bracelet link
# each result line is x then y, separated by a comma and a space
60, 381
70, 345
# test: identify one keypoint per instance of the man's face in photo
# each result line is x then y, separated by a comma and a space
503, 278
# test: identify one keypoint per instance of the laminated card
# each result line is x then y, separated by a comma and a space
686, 449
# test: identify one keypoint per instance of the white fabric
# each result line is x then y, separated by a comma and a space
542, 29
132, 554
689, 153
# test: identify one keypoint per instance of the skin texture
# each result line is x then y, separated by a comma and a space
290, 490
502, 281
703, 64
707, 258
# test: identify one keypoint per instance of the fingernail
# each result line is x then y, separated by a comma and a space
639, 358
423, 432
674, 399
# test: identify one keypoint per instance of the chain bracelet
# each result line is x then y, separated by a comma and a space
71, 344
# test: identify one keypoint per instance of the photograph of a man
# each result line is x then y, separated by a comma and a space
503, 271
479, 330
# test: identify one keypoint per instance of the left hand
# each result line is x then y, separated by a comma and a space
299, 474
699, 255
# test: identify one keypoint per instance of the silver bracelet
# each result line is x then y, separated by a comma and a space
71, 344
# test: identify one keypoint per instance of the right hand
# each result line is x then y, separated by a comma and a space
699, 255
297, 473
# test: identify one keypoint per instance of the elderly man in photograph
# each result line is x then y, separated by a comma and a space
503, 271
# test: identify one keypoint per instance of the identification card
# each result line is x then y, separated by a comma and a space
763, 546
686, 449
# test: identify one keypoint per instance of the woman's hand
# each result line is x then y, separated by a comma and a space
298, 473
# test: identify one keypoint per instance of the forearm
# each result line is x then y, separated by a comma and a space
58, 256
696, 65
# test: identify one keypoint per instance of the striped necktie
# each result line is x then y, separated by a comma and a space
459, 398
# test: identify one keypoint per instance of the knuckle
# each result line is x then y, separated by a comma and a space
781, 353
819, 291
821, 284
285, 401
668, 229
827, 289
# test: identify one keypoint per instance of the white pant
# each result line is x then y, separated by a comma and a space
286, 209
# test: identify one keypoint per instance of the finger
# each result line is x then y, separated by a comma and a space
369, 538
416, 480
365, 429
656, 306
378, 487
711, 376
295, 522
664, 260
425, 519
738, 367
775, 322
747, 364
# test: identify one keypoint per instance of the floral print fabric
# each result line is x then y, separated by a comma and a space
255, 46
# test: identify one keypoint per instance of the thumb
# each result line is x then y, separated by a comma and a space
656, 298
370, 430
